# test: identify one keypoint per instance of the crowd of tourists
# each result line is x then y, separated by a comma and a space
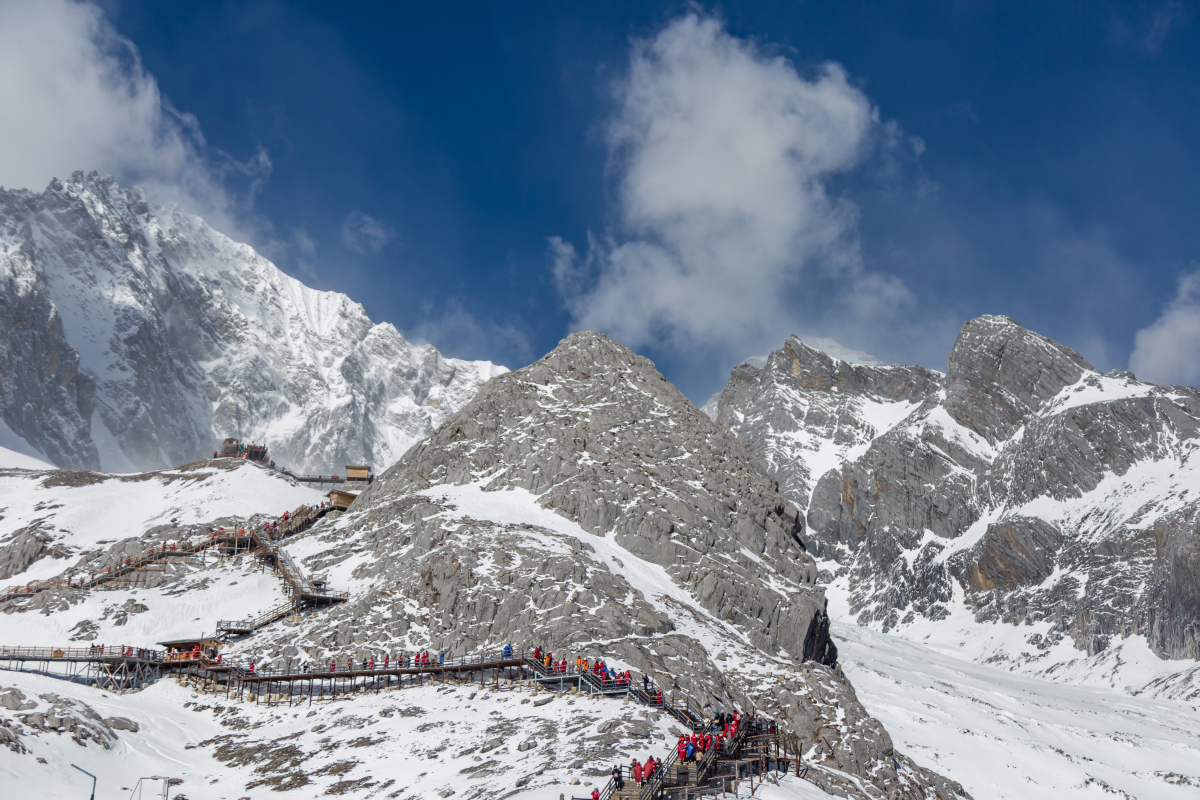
598, 668
269, 530
716, 734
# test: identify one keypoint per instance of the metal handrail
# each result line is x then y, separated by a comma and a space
403, 663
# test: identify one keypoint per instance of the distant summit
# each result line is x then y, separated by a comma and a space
1022, 486
135, 337
825, 346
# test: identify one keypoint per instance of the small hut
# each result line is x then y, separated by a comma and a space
185, 649
340, 500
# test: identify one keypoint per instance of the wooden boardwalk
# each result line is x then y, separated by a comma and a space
304, 592
755, 749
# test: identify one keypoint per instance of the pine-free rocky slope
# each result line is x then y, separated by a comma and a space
582, 503
134, 337
1022, 484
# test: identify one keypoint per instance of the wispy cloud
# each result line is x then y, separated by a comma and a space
1168, 350
722, 154
364, 234
456, 331
1161, 23
1147, 30
76, 96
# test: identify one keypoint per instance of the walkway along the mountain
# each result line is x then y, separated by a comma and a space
744, 751
262, 542
752, 748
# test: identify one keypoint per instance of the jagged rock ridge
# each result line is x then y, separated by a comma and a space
803, 412
1023, 481
134, 337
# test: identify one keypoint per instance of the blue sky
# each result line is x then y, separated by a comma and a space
697, 181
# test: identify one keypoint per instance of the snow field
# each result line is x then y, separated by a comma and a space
429, 741
1009, 736
234, 589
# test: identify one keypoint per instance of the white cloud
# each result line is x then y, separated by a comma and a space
75, 96
1168, 350
722, 153
364, 234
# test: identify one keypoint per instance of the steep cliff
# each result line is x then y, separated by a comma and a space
135, 337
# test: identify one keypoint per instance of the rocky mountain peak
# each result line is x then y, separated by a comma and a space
804, 411
599, 436
584, 504
999, 372
1023, 484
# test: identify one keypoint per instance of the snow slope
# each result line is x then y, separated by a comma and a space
12, 459
1011, 737
70, 512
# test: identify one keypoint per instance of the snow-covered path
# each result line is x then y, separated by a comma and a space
1004, 735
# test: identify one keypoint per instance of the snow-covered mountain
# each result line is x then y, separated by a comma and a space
582, 504
135, 337
1022, 486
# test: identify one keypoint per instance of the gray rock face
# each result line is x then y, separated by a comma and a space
1048, 492
134, 337
45, 399
583, 504
804, 412
23, 716
999, 374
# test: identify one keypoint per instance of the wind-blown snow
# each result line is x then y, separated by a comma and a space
842, 353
